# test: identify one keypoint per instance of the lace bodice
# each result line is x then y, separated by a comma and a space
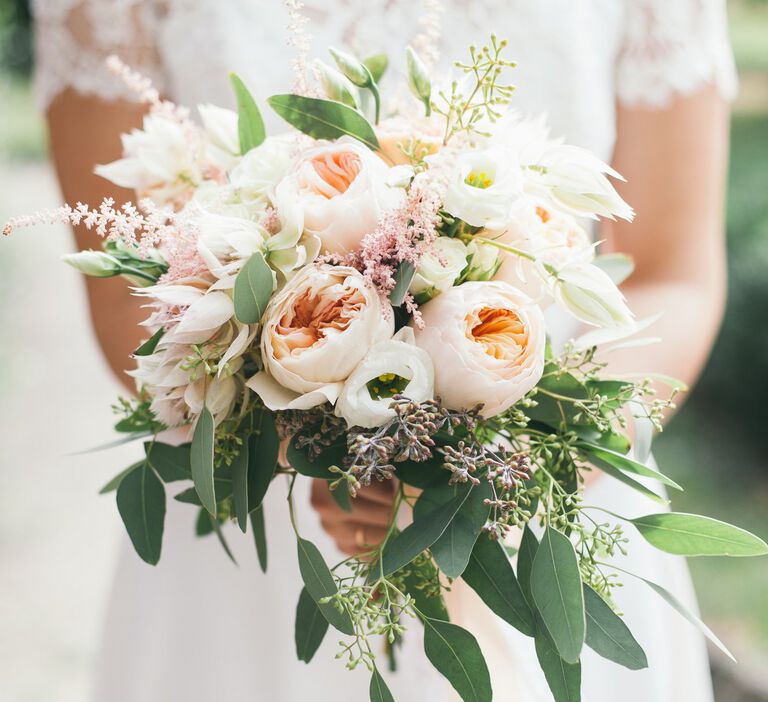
575, 58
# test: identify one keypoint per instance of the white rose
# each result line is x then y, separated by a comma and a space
261, 169
484, 260
439, 268
483, 187
486, 341
590, 295
158, 162
341, 189
315, 332
396, 359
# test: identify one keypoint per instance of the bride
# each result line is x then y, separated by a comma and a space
641, 83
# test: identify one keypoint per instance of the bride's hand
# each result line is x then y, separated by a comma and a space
365, 526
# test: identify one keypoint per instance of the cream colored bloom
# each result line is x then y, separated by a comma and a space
315, 332
341, 190
486, 341
440, 267
223, 139
396, 359
261, 169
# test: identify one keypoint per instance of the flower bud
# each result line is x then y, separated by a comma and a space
336, 85
484, 261
353, 69
439, 268
418, 78
96, 264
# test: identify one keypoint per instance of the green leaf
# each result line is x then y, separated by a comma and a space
403, 278
201, 459
456, 654
240, 490
694, 535
428, 603
608, 635
141, 502
454, 547
220, 536
320, 584
377, 65
113, 484
556, 589
378, 690
260, 536
149, 346
417, 537
203, 524
618, 266
525, 557
491, 576
250, 125
222, 488
172, 463
317, 467
421, 474
253, 288
310, 627
564, 679
324, 119
608, 469
620, 461
342, 497
263, 450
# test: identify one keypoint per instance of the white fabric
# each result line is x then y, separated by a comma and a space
196, 628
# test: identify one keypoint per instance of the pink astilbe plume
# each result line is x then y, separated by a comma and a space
300, 40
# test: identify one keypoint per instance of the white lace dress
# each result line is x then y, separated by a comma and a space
195, 627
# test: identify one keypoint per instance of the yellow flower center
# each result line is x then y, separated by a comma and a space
479, 179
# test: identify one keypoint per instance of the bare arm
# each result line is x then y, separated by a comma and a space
675, 162
85, 131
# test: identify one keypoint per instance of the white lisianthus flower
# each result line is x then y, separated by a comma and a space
486, 341
341, 189
158, 162
440, 267
315, 332
222, 135
483, 186
395, 360
588, 293
261, 169
575, 179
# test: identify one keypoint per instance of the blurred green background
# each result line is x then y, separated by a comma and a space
714, 446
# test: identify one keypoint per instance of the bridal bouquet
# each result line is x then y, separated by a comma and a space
362, 299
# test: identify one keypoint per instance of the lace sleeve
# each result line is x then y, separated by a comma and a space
74, 37
671, 48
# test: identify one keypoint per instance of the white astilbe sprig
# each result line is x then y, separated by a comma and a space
300, 40
427, 42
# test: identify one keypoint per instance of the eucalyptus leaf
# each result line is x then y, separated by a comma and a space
250, 125
622, 462
525, 557
149, 346
618, 266
172, 463
342, 497
263, 450
320, 584
201, 458
615, 473
694, 535
421, 474
253, 288
222, 540
324, 119
310, 627
222, 488
491, 576
608, 635
378, 690
203, 523
318, 467
141, 503
113, 484
259, 536
564, 679
456, 654
239, 465
403, 279
556, 589
427, 603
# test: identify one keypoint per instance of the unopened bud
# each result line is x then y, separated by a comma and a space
418, 78
96, 264
336, 85
353, 69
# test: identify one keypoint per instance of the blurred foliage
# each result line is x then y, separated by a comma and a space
15, 36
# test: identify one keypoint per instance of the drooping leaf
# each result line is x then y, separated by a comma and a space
141, 502
525, 557
456, 654
253, 288
310, 627
377, 65
622, 462
556, 589
222, 540
240, 464
491, 576
201, 459
203, 524
622, 477
320, 584
694, 535
149, 346
564, 679
172, 463
341, 497
403, 278
222, 488
378, 690
263, 451
259, 536
317, 467
324, 119
115, 482
608, 635
250, 125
